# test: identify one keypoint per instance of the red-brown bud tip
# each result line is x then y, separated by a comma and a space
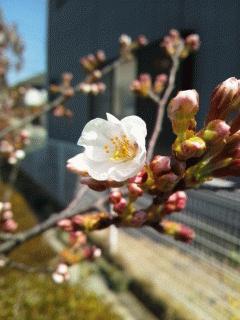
184, 105
115, 197
135, 190
120, 206
193, 42
160, 165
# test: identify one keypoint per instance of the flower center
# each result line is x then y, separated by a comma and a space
123, 148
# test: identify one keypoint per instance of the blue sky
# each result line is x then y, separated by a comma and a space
31, 19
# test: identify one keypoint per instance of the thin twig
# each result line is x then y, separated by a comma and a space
22, 237
163, 102
58, 101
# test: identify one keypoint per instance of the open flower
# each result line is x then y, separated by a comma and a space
114, 149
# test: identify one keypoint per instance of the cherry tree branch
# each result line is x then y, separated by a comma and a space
163, 102
56, 102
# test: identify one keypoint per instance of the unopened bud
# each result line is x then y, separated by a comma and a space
135, 190
177, 230
138, 218
100, 55
120, 206
160, 83
182, 109
65, 224
160, 165
166, 182
142, 40
9, 225
225, 97
115, 197
125, 40
140, 178
193, 42
191, 148
176, 202
216, 131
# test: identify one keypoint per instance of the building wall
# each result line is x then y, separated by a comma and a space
78, 27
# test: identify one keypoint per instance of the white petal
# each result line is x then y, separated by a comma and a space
128, 169
135, 125
78, 163
112, 119
98, 132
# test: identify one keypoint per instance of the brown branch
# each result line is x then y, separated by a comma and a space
163, 102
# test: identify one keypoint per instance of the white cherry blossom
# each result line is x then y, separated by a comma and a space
113, 149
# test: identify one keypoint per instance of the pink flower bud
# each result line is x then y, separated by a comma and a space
166, 182
160, 83
193, 147
9, 225
225, 96
140, 178
185, 234
78, 220
100, 55
160, 165
182, 110
65, 224
139, 218
135, 190
120, 206
176, 202
142, 40
101, 87
216, 131
193, 42
115, 197
77, 237
177, 230
184, 105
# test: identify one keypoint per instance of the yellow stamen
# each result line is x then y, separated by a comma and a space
124, 150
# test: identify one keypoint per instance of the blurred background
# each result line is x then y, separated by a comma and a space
146, 275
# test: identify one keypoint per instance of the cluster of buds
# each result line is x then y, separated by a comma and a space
9, 38
127, 45
12, 147
92, 62
78, 248
7, 222
173, 42
95, 88
175, 203
217, 145
144, 85
66, 89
